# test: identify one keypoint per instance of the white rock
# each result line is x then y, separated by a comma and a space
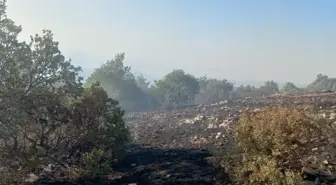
211, 125
256, 110
326, 162
32, 178
189, 121
199, 118
218, 135
225, 124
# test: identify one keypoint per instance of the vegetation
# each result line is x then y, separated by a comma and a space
179, 88
290, 88
322, 82
175, 89
213, 90
121, 84
272, 145
48, 115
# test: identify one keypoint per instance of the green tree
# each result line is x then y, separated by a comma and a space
142, 83
245, 91
45, 114
269, 87
290, 87
120, 84
175, 89
322, 82
213, 90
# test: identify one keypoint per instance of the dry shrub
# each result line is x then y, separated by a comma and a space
273, 143
264, 170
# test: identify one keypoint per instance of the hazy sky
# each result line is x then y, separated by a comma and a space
283, 40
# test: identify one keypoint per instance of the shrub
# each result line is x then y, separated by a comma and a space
273, 143
264, 170
46, 116
92, 124
96, 163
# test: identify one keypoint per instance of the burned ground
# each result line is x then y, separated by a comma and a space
186, 146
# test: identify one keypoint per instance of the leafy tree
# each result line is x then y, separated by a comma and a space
322, 82
142, 83
290, 87
120, 84
45, 114
246, 91
175, 89
213, 90
270, 87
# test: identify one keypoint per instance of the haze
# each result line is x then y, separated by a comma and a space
245, 41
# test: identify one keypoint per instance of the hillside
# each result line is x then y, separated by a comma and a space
186, 146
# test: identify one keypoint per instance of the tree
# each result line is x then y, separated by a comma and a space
45, 114
322, 82
246, 91
290, 87
120, 84
270, 87
213, 90
142, 83
175, 89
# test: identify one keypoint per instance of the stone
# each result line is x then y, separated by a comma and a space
32, 178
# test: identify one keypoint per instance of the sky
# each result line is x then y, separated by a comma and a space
240, 40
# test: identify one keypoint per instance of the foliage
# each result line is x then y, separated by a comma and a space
290, 88
246, 91
269, 87
102, 124
33, 89
142, 83
273, 143
120, 84
175, 89
96, 163
322, 82
264, 170
213, 90
45, 114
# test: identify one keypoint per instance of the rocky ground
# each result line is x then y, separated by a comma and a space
182, 147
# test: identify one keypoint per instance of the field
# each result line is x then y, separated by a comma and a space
186, 146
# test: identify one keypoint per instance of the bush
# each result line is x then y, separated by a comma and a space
264, 170
46, 117
96, 163
272, 144
92, 124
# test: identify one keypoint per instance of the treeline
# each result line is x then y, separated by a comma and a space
178, 88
